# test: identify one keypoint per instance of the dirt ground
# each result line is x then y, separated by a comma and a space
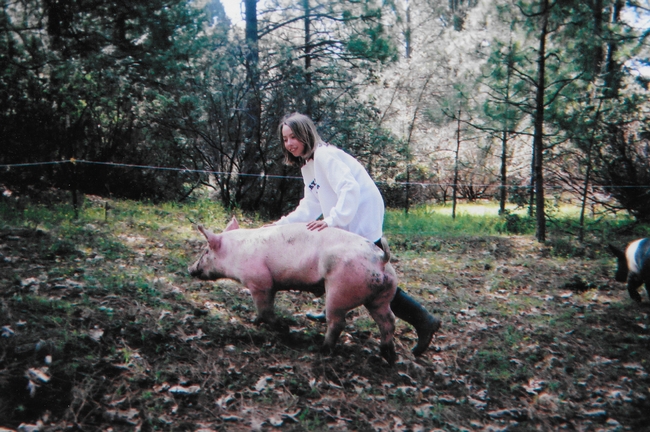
108, 332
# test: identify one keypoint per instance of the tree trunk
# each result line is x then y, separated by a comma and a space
612, 68
531, 194
308, 91
538, 136
585, 192
455, 187
407, 32
504, 177
408, 141
504, 142
248, 191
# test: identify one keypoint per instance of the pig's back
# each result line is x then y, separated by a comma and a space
299, 248
297, 237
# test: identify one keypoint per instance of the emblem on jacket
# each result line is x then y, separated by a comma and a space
313, 185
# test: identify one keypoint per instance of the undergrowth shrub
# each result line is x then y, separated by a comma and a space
514, 223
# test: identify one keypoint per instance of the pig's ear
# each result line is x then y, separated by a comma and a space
232, 225
206, 232
214, 241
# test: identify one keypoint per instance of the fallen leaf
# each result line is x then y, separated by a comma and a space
117, 402
199, 334
291, 416
595, 413
27, 282
477, 403
28, 427
399, 425
514, 413
223, 401
262, 382
96, 334
32, 387
447, 399
185, 390
380, 425
534, 386
34, 374
126, 416
161, 388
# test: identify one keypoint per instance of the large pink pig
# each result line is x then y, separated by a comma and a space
349, 269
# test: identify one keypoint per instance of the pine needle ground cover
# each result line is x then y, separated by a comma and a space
102, 328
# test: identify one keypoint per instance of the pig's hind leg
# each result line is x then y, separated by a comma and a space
385, 320
335, 325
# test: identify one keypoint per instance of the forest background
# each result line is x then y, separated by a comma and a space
510, 100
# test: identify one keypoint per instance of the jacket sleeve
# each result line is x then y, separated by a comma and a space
308, 210
346, 188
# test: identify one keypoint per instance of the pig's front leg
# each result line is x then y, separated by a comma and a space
633, 284
264, 299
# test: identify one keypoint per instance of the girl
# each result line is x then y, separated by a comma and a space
339, 188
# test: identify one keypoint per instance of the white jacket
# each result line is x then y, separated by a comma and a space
339, 187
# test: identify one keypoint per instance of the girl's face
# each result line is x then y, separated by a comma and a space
291, 143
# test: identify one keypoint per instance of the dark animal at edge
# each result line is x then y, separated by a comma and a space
634, 266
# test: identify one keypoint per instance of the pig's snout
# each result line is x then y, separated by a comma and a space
203, 269
199, 273
196, 270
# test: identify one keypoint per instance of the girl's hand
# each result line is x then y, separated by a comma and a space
318, 225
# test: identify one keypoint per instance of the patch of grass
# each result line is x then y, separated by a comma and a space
495, 366
422, 221
482, 219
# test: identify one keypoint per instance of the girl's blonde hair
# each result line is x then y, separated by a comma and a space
304, 130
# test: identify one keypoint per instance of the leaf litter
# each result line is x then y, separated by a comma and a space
529, 342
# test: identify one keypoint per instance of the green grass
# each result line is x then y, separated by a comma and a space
437, 221
144, 216
415, 228
472, 219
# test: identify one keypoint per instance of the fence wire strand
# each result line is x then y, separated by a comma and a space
222, 173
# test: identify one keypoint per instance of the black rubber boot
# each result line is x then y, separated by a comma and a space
409, 310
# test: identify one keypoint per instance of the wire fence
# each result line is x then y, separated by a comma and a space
203, 171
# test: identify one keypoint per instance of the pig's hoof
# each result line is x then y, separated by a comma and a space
281, 326
326, 349
636, 298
